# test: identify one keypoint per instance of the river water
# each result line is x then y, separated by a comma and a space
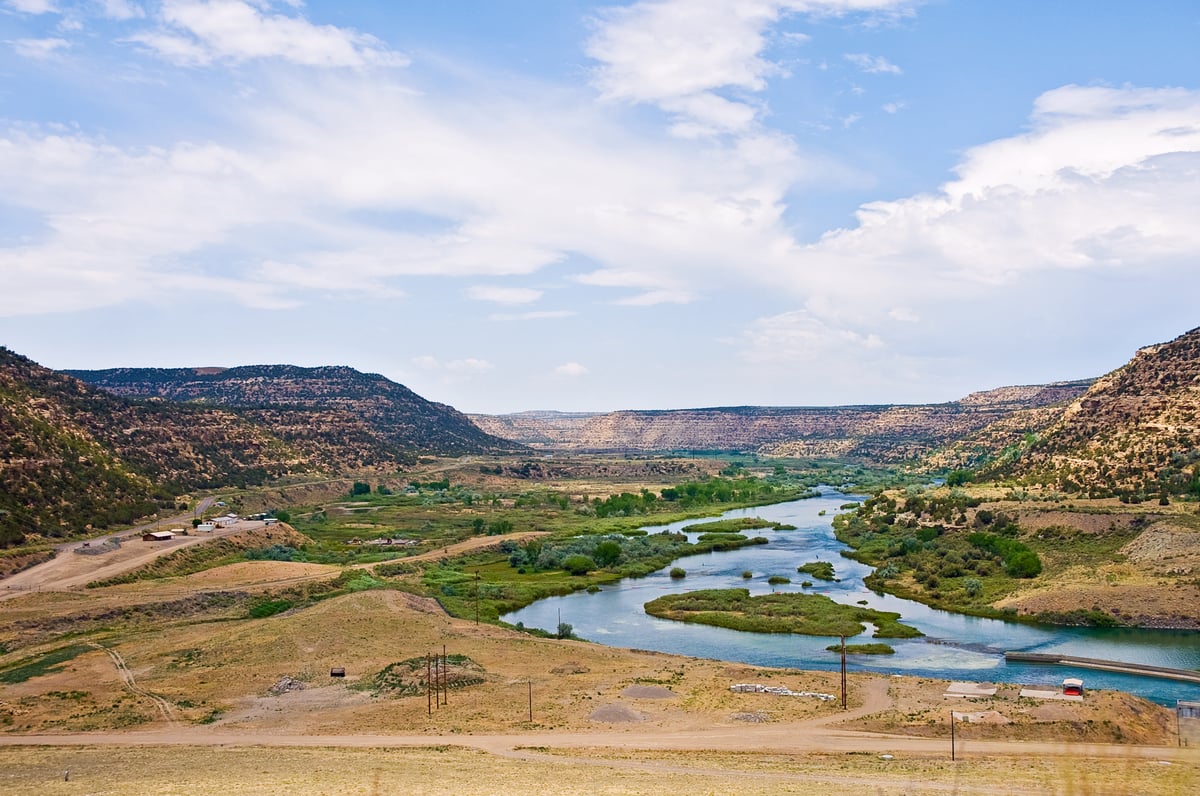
954, 646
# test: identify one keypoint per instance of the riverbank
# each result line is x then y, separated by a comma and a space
981, 552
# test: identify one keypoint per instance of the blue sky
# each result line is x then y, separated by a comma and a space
557, 204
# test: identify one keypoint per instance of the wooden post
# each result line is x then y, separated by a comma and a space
428, 685
530, 700
952, 751
445, 678
476, 596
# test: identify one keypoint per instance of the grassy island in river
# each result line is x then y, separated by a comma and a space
807, 614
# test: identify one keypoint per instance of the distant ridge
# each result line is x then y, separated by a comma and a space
885, 433
335, 413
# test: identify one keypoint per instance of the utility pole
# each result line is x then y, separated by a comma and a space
428, 685
476, 596
843, 672
445, 679
530, 700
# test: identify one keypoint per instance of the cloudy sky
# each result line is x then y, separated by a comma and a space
562, 204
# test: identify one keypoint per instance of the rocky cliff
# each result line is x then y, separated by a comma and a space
882, 433
339, 417
1135, 433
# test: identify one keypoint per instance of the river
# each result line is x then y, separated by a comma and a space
954, 646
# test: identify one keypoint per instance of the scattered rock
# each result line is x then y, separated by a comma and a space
286, 684
570, 667
753, 718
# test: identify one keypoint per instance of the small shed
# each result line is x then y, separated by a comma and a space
1072, 686
206, 527
337, 671
158, 536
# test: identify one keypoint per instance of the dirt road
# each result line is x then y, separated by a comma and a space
793, 738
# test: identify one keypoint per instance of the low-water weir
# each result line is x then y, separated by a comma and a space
955, 646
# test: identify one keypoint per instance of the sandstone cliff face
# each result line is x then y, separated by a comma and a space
1135, 433
882, 433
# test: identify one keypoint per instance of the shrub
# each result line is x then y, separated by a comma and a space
578, 564
678, 572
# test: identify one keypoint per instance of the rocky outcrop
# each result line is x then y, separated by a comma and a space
1135, 433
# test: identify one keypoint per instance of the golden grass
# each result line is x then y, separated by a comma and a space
449, 770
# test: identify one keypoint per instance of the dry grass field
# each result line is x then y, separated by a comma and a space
604, 720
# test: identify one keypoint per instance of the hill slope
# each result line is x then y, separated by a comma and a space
1135, 433
339, 417
883, 433
72, 455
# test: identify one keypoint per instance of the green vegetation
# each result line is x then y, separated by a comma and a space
943, 548
268, 607
737, 524
409, 677
778, 580
863, 649
39, 665
821, 570
1019, 560
678, 573
516, 574
807, 614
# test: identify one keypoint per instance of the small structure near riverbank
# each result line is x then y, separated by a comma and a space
970, 690
778, 690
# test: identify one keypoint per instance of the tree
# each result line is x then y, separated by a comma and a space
958, 477
360, 488
283, 516
973, 586
607, 553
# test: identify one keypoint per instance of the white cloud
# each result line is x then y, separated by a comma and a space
799, 336
33, 6
199, 32
893, 107
40, 49
873, 64
571, 370
537, 315
469, 365
504, 295
455, 368
678, 54
1103, 181
121, 9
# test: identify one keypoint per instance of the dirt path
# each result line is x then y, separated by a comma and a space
792, 738
69, 570
164, 707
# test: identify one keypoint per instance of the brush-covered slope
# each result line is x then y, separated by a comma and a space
340, 417
1135, 433
72, 455
882, 433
